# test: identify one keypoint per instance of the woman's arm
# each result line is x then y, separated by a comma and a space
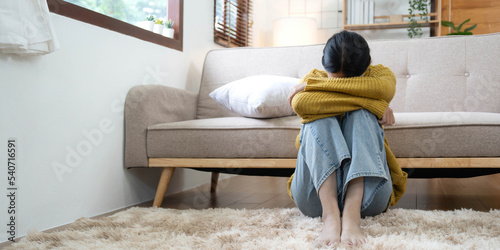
378, 83
301, 86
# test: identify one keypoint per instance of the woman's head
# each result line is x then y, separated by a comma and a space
346, 52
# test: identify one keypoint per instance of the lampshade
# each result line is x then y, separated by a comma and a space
292, 31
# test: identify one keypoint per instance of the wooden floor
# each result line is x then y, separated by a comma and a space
253, 192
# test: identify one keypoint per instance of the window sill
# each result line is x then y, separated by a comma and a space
85, 15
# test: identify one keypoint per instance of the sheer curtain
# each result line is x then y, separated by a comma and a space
26, 28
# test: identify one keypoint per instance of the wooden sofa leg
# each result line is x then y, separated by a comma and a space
213, 184
166, 176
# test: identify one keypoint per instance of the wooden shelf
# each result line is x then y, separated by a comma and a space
387, 17
387, 25
434, 23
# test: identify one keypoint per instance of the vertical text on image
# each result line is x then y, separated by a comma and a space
12, 192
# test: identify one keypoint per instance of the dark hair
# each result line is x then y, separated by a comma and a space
347, 52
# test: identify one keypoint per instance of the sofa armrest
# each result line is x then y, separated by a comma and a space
147, 105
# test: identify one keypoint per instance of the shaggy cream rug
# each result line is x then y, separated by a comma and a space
151, 228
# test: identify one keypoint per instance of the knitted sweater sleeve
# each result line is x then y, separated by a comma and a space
314, 73
324, 97
377, 83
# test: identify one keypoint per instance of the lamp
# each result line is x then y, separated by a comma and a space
292, 31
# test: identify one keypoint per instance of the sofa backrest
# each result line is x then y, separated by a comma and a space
437, 74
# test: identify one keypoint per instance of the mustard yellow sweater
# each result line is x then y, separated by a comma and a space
326, 97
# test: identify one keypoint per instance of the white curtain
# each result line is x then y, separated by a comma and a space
26, 28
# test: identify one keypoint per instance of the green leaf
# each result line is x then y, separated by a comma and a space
470, 28
460, 26
448, 24
417, 7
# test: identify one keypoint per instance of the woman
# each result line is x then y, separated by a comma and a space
345, 169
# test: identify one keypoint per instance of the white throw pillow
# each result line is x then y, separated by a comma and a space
261, 96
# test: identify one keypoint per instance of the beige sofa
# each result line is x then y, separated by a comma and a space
447, 108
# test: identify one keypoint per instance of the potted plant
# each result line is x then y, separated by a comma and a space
158, 27
457, 30
420, 8
168, 31
149, 22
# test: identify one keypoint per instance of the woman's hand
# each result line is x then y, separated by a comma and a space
294, 90
387, 118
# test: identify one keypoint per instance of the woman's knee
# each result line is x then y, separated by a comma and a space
324, 126
363, 126
364, 115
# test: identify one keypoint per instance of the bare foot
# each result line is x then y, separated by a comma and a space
351, 231
351, 219
330, 235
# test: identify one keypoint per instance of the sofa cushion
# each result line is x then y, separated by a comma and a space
444, 119
228, 137
445, 134
261, 96
439, 134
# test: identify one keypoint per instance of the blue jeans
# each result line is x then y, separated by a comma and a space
350, 147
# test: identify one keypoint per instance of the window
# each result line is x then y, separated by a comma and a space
132, 12
104, 13
232, 25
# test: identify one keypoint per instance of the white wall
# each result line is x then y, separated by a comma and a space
267, 11
329, 22
49, 103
